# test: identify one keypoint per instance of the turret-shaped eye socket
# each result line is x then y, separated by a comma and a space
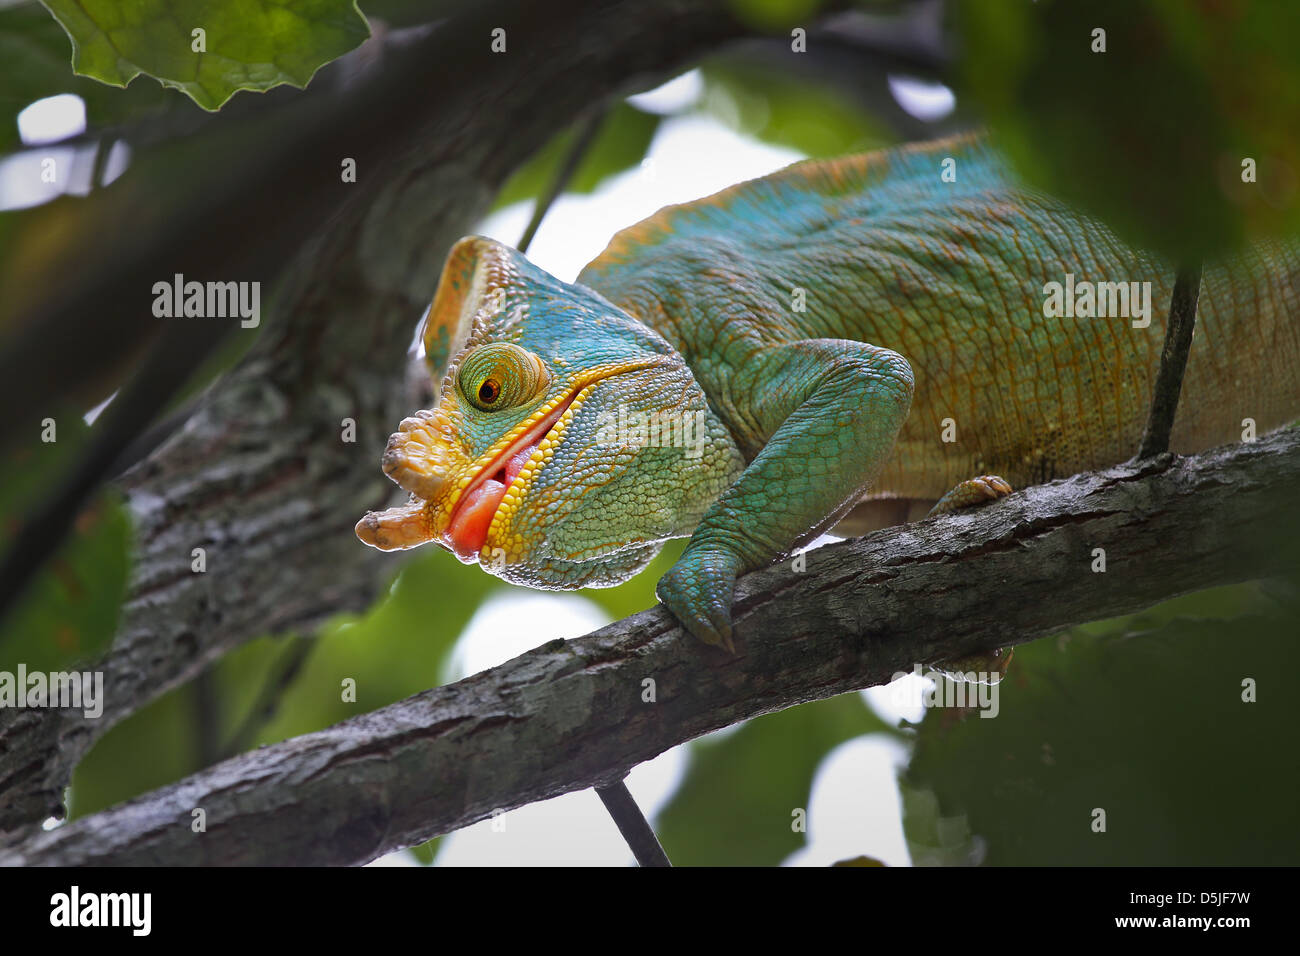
501, 376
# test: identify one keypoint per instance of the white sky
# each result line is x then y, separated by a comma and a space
690, 157
42, 171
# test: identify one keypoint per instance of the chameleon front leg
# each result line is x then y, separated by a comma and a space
831, 409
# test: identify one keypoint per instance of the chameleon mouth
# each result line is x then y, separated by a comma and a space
465, 516
471, 518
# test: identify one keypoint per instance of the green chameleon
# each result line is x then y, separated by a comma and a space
851, 342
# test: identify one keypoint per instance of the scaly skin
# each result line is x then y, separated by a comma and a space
922, 303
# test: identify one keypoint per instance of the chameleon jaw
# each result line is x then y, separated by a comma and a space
424, 458
500, 482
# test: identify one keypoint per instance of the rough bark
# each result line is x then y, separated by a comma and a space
259, 476
571, 714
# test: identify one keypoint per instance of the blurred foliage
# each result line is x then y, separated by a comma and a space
35, 53
1151, 134
814, 118
639, 593
736, 805
771, 15
1140, 716
248, 45
621, 143
70, 609
426, 852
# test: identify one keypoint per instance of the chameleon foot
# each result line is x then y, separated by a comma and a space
699, 589
972, 492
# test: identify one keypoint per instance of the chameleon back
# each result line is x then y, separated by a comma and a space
956, 277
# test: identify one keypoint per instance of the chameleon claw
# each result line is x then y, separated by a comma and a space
698, 589
713, 628
707, 628
972, 492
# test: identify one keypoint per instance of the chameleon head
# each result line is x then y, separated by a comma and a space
568, 440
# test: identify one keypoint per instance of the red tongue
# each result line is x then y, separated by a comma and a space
469, 526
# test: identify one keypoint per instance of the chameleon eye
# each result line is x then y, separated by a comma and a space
502, 375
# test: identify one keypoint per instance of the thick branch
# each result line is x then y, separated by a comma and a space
571, 714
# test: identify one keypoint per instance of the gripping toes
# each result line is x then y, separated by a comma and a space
972, 492
698, 589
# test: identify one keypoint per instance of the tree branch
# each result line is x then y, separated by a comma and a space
571, 715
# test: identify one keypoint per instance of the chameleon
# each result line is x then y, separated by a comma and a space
841, 345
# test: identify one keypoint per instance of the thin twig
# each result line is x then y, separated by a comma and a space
207, 709
585, 135
636, 829
103, 146
1173, 362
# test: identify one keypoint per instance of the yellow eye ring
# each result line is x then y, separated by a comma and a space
501, 375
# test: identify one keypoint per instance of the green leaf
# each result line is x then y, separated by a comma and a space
151, 748
773, 15
69, 611
247, 44
735, 806
620, 144
1151, 134
34, 64
427, 852
1142, 717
